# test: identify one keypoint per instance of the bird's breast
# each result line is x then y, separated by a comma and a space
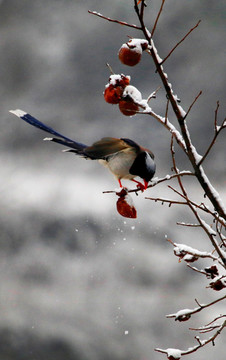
120, 163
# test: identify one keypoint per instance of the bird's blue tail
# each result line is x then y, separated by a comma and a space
38, 124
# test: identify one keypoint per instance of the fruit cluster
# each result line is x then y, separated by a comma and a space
118, 90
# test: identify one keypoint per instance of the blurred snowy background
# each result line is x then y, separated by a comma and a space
77, 281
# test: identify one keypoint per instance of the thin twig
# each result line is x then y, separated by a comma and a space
197, 270
142, 7
153, 94
201, 206
200, 307
217, 318
157, 18
114, 20
201, 343
200, 93
141, 19
217, 132
166, 201
216, 115
180, 42
110, 68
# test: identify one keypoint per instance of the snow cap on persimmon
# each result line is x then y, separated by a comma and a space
130, 52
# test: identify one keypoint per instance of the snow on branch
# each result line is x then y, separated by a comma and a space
175, 354
189, 254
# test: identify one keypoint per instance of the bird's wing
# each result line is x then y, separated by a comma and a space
105, 147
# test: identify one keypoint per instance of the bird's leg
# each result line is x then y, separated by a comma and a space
120, 184
140, 185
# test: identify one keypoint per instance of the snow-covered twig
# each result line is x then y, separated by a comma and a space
153, 94
191, 350
182, 251
156, 181
185, 314
188, 224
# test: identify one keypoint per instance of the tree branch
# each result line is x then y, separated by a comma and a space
113, 20
195, 310
157, 18
217, 132
180, 42
189, 109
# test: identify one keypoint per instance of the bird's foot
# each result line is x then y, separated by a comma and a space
140, 186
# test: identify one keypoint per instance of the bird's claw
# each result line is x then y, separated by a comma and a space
141, 187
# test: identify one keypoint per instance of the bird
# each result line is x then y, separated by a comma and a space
123, 157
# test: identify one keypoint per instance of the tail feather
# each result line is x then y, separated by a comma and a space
38, 124
77, 149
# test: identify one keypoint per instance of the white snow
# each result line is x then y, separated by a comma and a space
208, 228
197, 157
115, 78
129, 200
174, 353
183, 113
136, 44
133, 92
188, 249
156, 52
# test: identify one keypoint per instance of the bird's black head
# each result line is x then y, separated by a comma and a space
143, 166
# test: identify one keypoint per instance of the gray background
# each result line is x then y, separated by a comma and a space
75, 277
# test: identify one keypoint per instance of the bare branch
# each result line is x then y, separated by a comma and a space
210, 326
153, 94
216, 115
140, 16
180, 42
157, 18
217, 132
189, 109
197, 270
162, 200
110, 68
113, 20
